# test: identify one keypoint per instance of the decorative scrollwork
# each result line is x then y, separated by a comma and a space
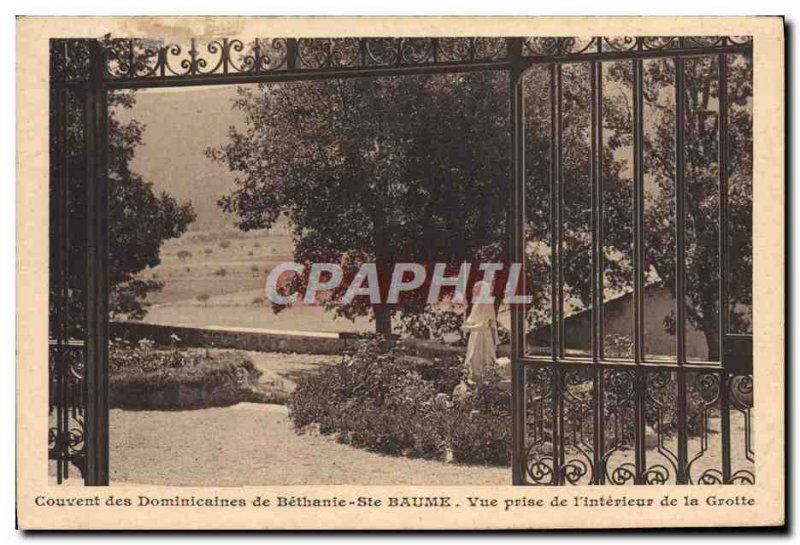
623, 474
743, 476
656, 43
65, 436
574, 470
705, 41
490, 48
620, 43
416, 50
657, 474
710, 476
705, 389
659, 392
618, 404
539, 470
455, 49
741, 389
318, 53
707, 386
538, 455
135, 58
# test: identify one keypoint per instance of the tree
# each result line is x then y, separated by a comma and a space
576, 226
375, 170
702, 187
203, 298
416, 169
139, 219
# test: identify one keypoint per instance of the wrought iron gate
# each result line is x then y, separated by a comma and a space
590, 417
576, 419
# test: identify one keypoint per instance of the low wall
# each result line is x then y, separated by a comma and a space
268, 340
433, 349
260, 340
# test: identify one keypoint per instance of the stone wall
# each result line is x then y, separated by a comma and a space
261, 340
267, 340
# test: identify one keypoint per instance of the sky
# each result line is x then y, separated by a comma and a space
179, 125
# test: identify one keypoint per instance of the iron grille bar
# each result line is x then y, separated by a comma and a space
558, 436
62, 302
596, 76
554, 208
96, 275
680, 210
640, 408
306, 75
517, 230
725, 417
610, 56
680, 264
555, 263
638, 211
559, 230
640, 429
586, 363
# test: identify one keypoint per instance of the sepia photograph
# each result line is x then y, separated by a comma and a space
441, 260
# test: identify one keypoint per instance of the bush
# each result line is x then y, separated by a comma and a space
144, 378
377, 399
443, 326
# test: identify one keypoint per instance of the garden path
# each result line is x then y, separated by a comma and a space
254, 444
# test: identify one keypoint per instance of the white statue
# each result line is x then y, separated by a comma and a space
482, 328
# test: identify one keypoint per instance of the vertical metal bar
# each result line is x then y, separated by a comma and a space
725, 417
517, 218
555, 261
96, 292
291, 53
638, 211
680, 265
59, 219
598, 439
556, 212
680, 210
63, 257
640, 429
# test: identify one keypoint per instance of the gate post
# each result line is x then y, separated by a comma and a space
517, 219
96, 289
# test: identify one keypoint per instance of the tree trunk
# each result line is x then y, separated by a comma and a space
383, 319
382, 312
711, 333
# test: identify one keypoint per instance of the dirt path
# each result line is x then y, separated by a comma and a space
254, 444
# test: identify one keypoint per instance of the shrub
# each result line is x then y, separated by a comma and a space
144, 378
377, 399
439, 325
225, 244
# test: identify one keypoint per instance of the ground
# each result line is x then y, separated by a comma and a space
255, 444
